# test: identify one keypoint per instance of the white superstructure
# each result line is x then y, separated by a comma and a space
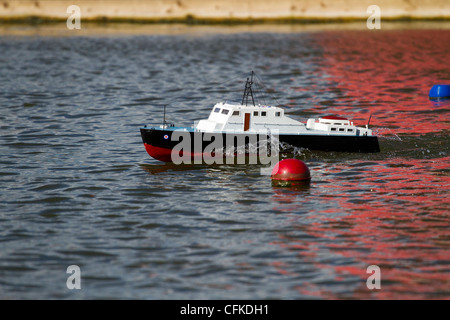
234, 118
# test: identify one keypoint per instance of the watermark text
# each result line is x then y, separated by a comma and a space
74, 20
74, 280
374, 280
374, 20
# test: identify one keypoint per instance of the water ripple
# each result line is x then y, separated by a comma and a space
79, 188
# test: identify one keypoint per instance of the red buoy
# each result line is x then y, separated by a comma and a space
291, 170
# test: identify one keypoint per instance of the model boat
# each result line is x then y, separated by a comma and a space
246, 120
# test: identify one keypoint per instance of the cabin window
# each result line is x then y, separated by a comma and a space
278, 114
263, 113
338, 124
225, 111
236, 113
350, 130
255, 113
341, 129
217, 110
333, 129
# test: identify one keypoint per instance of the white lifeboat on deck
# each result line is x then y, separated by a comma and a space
337, 125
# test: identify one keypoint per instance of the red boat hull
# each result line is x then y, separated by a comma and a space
159, 143
158, 153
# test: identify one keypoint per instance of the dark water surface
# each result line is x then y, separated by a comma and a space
78, 188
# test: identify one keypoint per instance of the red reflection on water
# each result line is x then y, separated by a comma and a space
386, 73
403, 218
393, 214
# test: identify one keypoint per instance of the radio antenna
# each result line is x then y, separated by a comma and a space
164, 119
367, 125
248, 90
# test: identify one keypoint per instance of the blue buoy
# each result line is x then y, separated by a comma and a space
440, 91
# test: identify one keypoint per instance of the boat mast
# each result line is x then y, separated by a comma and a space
248, 91
164, 119
367, 125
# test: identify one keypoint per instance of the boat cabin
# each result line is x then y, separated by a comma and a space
229, 117
250, 117
236, 117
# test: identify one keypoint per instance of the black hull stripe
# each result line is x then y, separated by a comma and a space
364, 144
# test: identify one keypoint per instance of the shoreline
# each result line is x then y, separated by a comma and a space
192, 20
88, 29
